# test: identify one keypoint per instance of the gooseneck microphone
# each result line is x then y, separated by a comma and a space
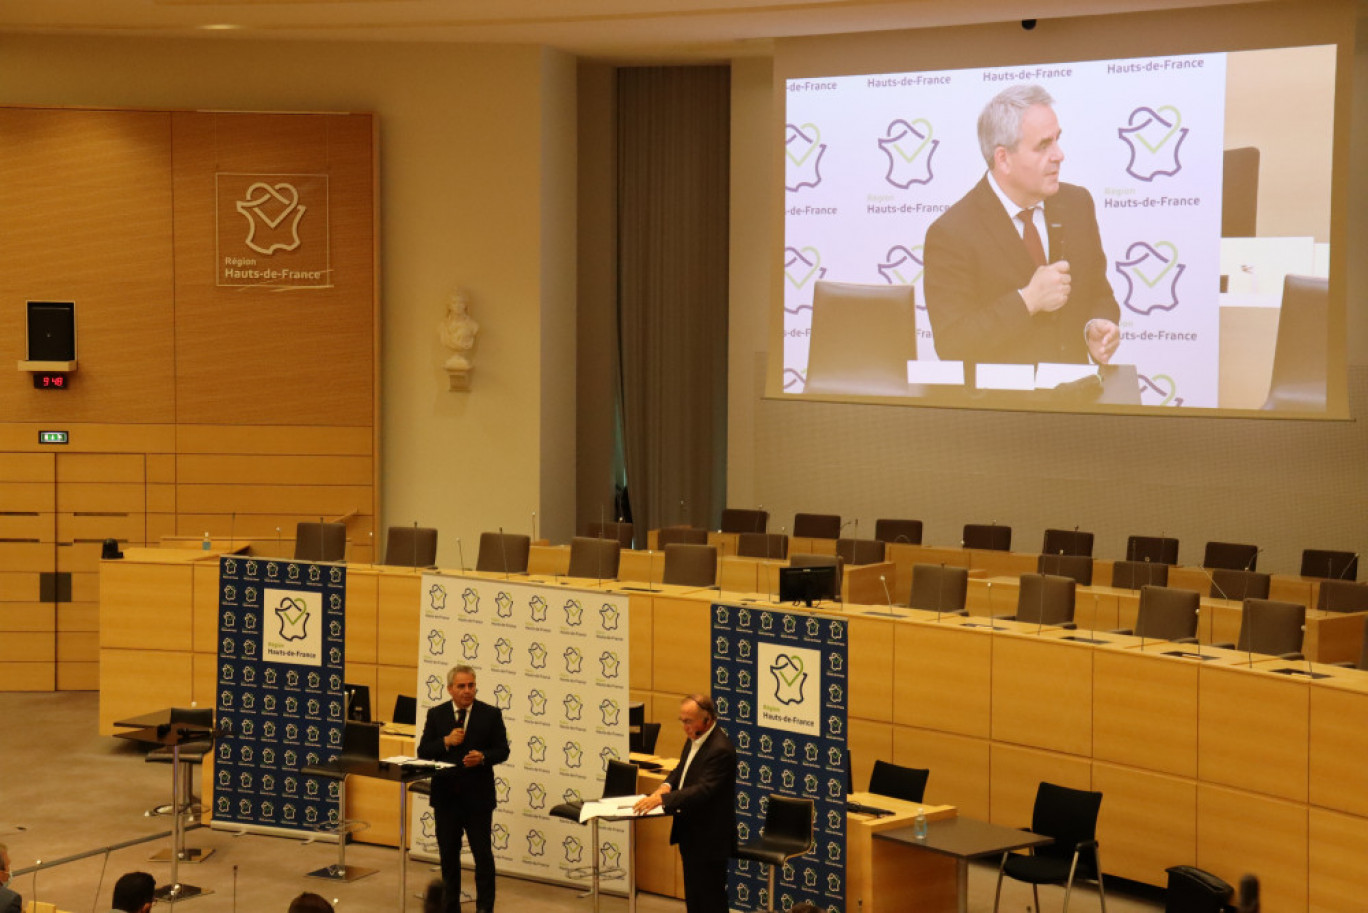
888, 597
534, 526
414, 543
503, 552
460, 553
1249, 894
1252, 559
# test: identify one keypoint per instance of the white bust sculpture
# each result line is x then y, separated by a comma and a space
458, 331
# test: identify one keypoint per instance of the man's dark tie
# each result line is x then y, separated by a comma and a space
460, 718
1031, 237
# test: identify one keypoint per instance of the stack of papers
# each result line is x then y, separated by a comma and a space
617, 807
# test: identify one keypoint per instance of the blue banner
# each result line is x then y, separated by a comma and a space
779, 680
281, 651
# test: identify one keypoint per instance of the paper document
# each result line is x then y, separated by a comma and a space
406, 761
617, 807
1005, 377
1050, 375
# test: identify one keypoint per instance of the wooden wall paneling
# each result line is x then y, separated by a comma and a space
663, 707
1042, 693
78, 646
308, 501
29, 617
959, 767
641, 627
204, 679
1148, 822
87, 198
1017, 774
29, 647
146, 607
392, 681
398, 633
204, 606
1240, 832
1338, 879
102, 469
273, 469
141, 681
27, 676
1339, 745
1145, 711
254, 439
867, 741
870, 645
681, 646
21, 438
78, 676
78, 616
1253, 731
942, 678
363, 595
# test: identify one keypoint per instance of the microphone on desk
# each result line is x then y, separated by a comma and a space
414, 543
1214, 585
534, 526
503, 552
1249, 894
460, 553
1351, 563
888, 597
1253, 559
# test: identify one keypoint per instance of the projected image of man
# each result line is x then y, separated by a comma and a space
1014, 271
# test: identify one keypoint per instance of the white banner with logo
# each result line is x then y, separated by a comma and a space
554, 660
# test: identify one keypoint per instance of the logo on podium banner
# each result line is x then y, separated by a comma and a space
272, 231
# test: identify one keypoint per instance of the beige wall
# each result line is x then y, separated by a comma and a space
476, 155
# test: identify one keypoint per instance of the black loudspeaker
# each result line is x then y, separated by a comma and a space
51, 331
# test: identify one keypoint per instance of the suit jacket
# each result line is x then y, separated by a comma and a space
976, 261
464, 787
10, 902
704, 809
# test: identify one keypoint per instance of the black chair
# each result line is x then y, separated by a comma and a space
411, 546
1191, 890
1272, 628
643, 738
937, 588
1228, 584
988, 536
620, 531
680, 535
817, 526
1043, 599
860, 551
1298, 383
787, 833
619, 780
803, 560
191, 752
594, 558
405, 709
762, 545
1067, 542
320, 541
503, 553
908, 532
690, 565
1231, 555
744, 520
1329, 565
1132, 575
1167, 613
1070, 817
360, 742
1077, 567
1342, 596
898, 782
1154, 549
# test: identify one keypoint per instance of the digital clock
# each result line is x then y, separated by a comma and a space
51, 380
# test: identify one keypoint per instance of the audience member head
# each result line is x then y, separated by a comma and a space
434, 898
4, 865
135, 892
308, 902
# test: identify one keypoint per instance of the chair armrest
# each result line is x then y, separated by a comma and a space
1130, 631
1003, 617
1224, 645
1187, 640
1297, 656
1069, 626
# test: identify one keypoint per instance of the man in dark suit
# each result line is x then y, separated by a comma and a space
469, 734
1014, 271
10, 902
701, 795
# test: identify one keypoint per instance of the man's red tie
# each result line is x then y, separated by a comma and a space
1031, 237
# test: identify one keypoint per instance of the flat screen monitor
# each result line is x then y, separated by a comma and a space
358, 702
405, 709
808, 585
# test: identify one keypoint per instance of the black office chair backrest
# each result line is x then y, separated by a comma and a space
411, 546
620, 779
1044, 599
1272, 627
680, 535
1233, 555
199, 717
1329, 565
744, 520
320, 541
361, 741
594, 558
1192, 890
1132, 575
1075, 567
1070, 817
636, 713
690, 565
908, 532
1363, 650
762, 545
622, 532
938, 588
503, 553
405, 709
898, 782
1228, 584
1154, 549
1167, 613
860, 551
817, 526
1067, 542
1342, 596
788, 818
988, 536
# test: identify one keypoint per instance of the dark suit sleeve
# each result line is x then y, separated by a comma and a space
712, 779
15, 904
439, 722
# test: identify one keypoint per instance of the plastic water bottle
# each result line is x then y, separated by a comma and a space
206, 544
919, 824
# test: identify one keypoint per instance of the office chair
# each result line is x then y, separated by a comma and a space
988, 536
642, 739
1228, 584
787, 833
1167, 613
1342, 596
1230, 555
744, 520
594, 558
1272, 628
1077, 567
1132, 575
360, 742
1067, 542
190, 753
1153, 549
937, 588
860, 551
817, 526
861, 340
773, 546
405, 710
1192, 890
680, 535
690, 565
622, 532
1043, 599
898, 782
1070, 817
619, 780
908, 532
503, 553
1299, 356
1329, 565
410, 546
320, 541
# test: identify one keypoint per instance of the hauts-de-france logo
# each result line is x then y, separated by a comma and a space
803, 151
1151, 273
293, 632
273, 230
1154, 136
791, 698
908, 146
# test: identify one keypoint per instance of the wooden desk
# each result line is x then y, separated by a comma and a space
884, 876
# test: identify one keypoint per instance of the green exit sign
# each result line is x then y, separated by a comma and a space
52, 437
